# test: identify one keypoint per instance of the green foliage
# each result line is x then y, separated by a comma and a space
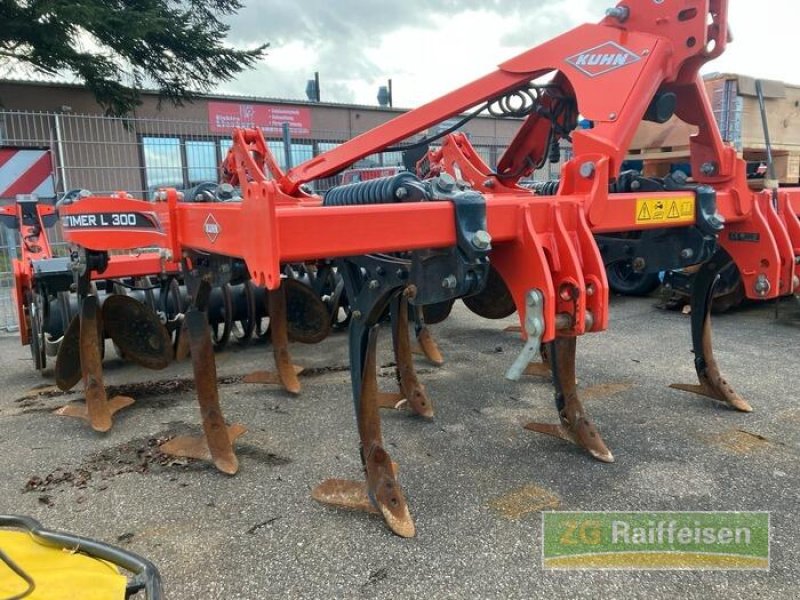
116, 46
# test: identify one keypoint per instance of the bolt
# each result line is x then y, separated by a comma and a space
795, 283
489, 183
612, 117
638, 264
567, 292
590, 289
708, 169
401, 274
587, 170
797, 260
374, 284
635, 185
762, 285
481, 239
446, 182
356, 314
620, 13
450, 282
533, 299
563, 321
687, 253
679, 177
401, 193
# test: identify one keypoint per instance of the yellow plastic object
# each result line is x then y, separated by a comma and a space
58, 574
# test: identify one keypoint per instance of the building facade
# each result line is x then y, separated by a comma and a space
165, 145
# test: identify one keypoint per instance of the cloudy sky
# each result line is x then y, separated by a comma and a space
429, 47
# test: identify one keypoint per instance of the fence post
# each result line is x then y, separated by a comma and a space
287, 145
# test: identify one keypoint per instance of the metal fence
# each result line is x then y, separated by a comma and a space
105, 154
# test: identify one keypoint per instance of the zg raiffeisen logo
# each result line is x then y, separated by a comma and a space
655, 541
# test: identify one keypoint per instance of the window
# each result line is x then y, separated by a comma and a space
276, 148
301, 153
201, 162
163, 162
325, 146
173, 162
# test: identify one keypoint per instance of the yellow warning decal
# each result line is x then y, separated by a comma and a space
665, 210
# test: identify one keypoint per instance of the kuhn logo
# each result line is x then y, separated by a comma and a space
212, 228
603, 59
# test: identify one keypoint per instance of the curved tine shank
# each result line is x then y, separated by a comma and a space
98, 410
286, 372
217, 443
712, 383
410, 387
427, 343
575, 424
381, 492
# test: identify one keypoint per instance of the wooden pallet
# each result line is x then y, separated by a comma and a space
660, 162
736, 109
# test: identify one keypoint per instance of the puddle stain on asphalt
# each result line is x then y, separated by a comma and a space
740, 441
604, 390
524, 501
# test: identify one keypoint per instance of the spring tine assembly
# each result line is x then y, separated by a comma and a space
712, 383
575, 425
216, 444
98, 409
380, 492
286, 372
412, 392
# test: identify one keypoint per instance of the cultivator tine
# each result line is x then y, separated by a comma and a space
712, 383
575, 424
381, 492
411, 390
286, 372
98, 410
428, 346
216, 444
136, 329
426, 343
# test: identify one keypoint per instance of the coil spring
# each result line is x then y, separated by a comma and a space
544, 188
382, 190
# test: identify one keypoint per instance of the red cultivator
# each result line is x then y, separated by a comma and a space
459, 229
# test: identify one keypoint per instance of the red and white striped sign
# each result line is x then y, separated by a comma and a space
26, 171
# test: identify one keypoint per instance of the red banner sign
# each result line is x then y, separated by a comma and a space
223, 117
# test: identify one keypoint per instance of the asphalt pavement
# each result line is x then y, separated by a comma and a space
475, 480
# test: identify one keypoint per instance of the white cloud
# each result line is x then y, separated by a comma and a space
431, 47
